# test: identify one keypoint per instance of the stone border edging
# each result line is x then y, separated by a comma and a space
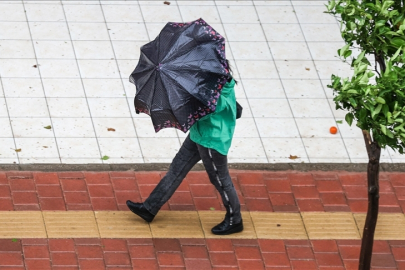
350, 167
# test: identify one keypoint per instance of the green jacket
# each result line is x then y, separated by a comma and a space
216, 130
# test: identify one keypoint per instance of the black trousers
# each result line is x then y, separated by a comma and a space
216, 166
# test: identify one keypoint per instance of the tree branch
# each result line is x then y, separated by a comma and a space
379, 58
375, 57
368, 141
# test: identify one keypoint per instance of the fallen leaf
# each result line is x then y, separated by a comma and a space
278, 225
14, 240
18, 150
105, 157
45, 146
48, 127
212, 208
166, 2
35, 66
307, 68
110, 129
293, 157
339, 121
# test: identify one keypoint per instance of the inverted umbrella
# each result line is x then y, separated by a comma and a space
180, 75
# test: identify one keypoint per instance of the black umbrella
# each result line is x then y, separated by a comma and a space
180, 74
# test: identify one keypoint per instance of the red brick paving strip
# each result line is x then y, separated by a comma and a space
194, 254
258, 191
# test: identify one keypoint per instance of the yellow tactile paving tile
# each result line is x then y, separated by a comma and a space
322, 225
120, 224
278, 225
22, 224
177, 224
389, 226
70, 224
194, 224
211, 218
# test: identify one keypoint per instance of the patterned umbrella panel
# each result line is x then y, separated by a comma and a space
180, 75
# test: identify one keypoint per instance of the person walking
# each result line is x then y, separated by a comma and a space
209, 140
183, 80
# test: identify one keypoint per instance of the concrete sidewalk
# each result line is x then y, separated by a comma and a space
65, 65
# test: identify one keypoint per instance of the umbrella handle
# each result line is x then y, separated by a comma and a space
136, 111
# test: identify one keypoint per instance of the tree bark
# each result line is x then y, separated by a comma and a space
374, 152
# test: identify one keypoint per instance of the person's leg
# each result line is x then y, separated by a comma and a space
182, 163
216, 166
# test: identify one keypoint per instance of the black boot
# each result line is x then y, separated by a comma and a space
140, 210
227, 227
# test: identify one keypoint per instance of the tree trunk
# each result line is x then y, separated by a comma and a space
374, 152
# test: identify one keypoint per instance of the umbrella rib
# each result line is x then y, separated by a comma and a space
178, 85
165, 59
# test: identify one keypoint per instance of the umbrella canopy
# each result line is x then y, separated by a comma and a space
180, 75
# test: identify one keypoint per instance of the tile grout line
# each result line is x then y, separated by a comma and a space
178, 131
81, 80
9, 118
42, 86
281, 81
241, 81
360, 230
122, 83
320, 80
44, 223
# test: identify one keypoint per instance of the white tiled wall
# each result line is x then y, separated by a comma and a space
67, 63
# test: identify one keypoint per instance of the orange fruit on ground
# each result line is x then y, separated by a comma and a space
333, 130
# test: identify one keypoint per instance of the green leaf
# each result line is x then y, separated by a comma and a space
350, 10
364, 79
352, 91
389, 134
353, 102
399, 19
380, 23
362, 114
342, 51
376, 111
212, 208
349, 118
396, 54
48, 127
386, 5
339, 121
400, 127
331, 5
360, 69
383, 129
380, 100
14, 240
385, 109
105, 157
392, 33
347, 53
359, 58
398, 42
